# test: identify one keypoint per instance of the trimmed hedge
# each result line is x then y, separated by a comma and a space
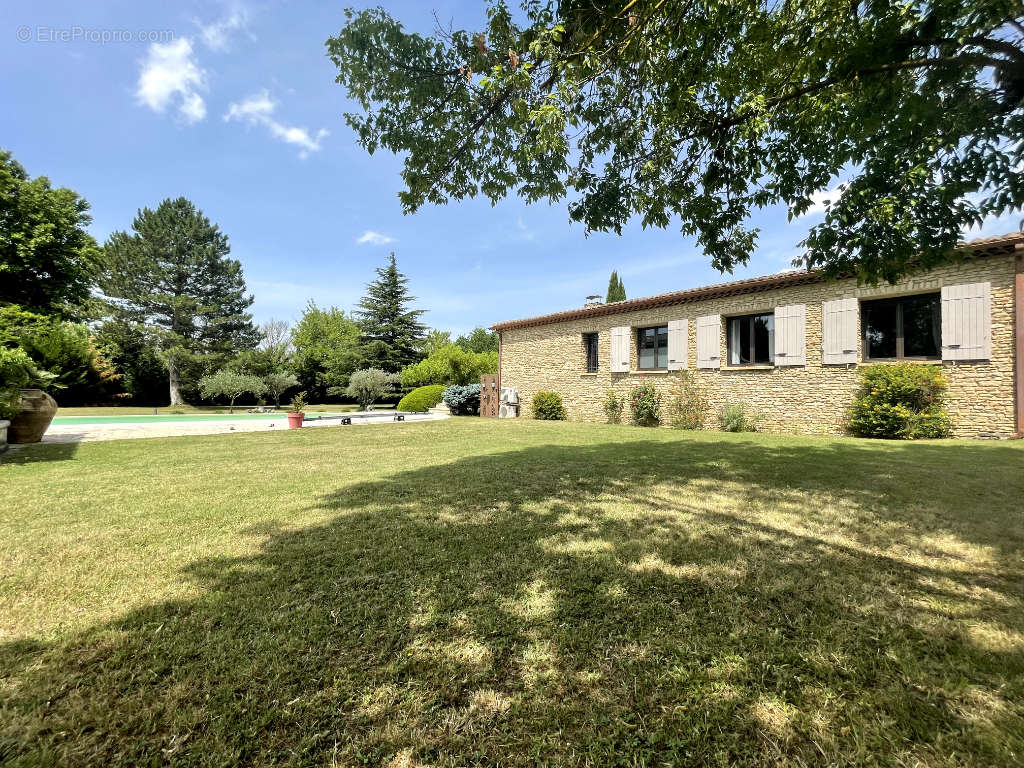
547, 406
422, 398
901, 402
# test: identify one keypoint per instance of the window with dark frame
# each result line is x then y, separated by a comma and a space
590, 351
652, 348
903, 328
751, 339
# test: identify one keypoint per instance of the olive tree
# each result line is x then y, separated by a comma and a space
231, 385
369, 385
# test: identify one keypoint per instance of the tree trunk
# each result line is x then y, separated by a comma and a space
172, 379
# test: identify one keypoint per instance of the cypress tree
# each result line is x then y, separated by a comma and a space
616, 291
173, 274
391, 332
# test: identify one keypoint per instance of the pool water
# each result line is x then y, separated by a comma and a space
173, 417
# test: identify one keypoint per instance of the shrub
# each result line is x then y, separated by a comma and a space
298, 404
690, 404
231, 385
422, 399
613, 405
450, 364
736, 417
369, 385
67, 350
645, 405
903, 401
463, 400
547, 406
17, 372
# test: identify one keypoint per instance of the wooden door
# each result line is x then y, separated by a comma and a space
489, 396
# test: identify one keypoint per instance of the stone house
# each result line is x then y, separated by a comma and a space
790, 345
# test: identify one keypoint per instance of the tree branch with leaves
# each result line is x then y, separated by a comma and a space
701, 113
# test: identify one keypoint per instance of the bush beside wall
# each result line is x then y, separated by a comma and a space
900, 402
463, 400
547, 406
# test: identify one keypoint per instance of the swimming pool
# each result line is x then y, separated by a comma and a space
161, 418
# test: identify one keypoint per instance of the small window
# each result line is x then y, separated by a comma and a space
652, 348
590, 351
752, 340
906, 327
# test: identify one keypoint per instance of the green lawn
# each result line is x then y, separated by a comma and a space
515, 593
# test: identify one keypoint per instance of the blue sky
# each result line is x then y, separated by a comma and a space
234, 106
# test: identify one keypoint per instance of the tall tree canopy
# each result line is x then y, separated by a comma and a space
479, 340
326, 349
173, 273
392, 333
701, 112
48, 261
616, 290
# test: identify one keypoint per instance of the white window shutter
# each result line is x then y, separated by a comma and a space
790, 335
709, 341
839, 331
967, 322
620, 349
678, 344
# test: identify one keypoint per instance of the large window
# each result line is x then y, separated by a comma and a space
752, 340
590, 351
652, 347
906, 327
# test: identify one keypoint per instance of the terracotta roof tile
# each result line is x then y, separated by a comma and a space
983, 246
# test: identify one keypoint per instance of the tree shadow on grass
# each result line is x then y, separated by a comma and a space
678, 602
40, 452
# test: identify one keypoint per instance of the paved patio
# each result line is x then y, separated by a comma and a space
76, 433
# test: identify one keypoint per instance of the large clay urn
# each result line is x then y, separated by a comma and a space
33, 417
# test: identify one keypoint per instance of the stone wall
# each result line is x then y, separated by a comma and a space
804, 399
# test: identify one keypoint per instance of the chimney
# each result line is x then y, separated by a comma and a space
593, 301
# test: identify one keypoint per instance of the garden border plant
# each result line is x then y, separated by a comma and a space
737, 417
613, 406
900, 402
645, 404
548, 406
689, 404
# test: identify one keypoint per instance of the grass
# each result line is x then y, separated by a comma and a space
515, 593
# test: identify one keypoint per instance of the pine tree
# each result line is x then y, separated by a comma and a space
173, 274
616, 290
391, 332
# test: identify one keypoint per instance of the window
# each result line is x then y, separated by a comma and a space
752, 340
590, 351
906, 327
652, 348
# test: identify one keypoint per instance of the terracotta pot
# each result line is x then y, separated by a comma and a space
34, 415
295, 420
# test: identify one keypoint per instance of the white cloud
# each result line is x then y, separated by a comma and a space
217, 35
259, 108
170, 74
374, 238
821, 198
